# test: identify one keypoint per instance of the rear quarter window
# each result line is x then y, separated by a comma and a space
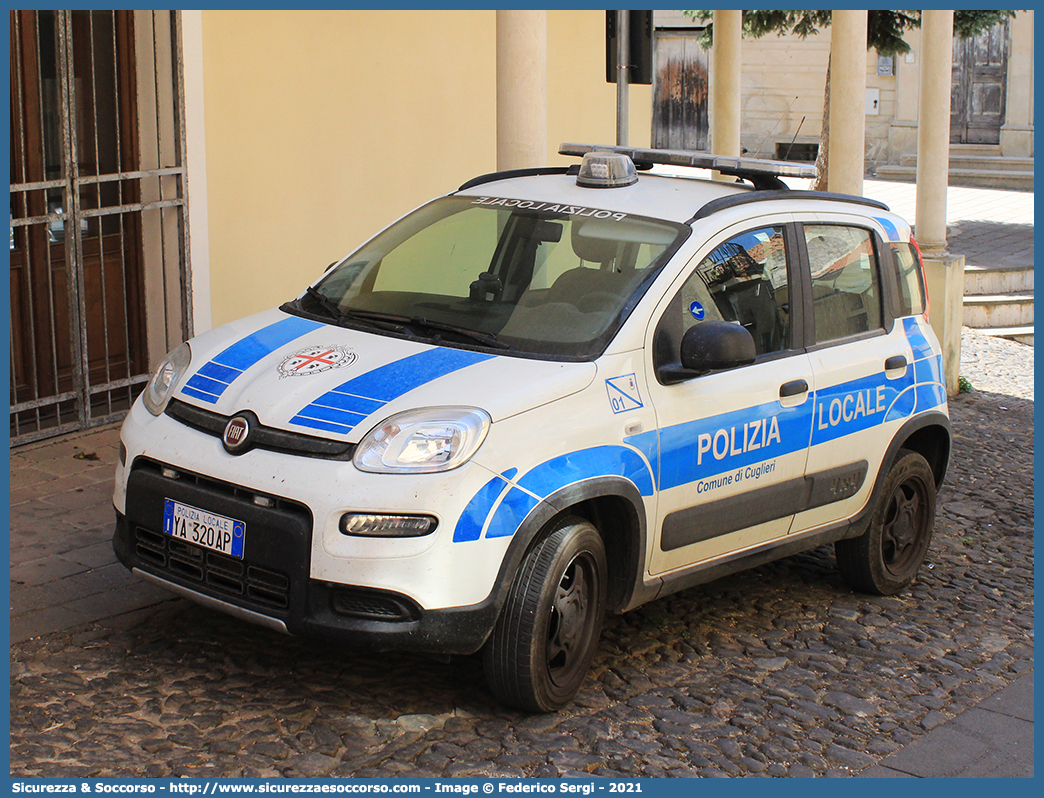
910, 278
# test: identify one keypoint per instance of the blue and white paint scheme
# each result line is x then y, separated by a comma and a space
555, 427
216, 375
240, 369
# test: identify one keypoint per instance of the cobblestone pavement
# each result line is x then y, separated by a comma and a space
778, 671
995, 365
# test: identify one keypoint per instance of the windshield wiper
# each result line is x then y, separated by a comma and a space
400, 324
487, 339
325, 302
341, 316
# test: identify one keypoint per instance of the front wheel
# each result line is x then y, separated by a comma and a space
546, 636
886, 557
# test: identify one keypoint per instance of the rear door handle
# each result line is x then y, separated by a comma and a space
895, 362
792, 388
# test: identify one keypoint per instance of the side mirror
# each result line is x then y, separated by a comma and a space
713, 345
710, 346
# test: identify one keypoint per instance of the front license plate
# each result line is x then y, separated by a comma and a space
206, 529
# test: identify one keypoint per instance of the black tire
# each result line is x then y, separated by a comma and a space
885, 558
547, 634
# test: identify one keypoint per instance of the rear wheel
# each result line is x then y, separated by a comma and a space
547, 634
886, 557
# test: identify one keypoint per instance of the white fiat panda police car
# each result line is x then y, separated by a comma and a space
551, 393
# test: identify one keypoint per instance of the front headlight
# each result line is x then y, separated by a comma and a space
170, 370
423, 441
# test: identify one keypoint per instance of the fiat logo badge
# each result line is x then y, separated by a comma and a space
237, 431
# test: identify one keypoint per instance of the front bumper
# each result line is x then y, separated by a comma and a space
272, 585
436, 571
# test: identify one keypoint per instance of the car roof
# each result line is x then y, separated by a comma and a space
675, 194
658, 196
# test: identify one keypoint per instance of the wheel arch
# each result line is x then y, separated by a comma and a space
614, 506
929, 436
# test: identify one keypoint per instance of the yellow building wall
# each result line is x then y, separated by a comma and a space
784, 79
322, 127
581, 105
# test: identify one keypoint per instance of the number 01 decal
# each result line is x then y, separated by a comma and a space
623, 393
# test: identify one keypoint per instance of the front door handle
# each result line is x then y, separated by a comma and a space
792, 388
895, 362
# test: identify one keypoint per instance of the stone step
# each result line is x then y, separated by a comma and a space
975, 150
967, 178
998, 310
1023, 333
990, 163
985, 280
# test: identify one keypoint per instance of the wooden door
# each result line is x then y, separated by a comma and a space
77, 318
980, 68
680, 114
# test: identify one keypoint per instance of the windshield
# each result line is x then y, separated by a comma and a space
536, 278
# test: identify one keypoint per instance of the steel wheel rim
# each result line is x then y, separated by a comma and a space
905, 524
572, 617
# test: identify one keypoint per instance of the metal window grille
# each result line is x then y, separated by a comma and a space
99, 234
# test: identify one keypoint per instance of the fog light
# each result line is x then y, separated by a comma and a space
387, 526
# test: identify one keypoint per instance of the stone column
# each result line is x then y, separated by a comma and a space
847, 102
944, 272
1017, 131
933, 135
944, 275
726, 70
521, 89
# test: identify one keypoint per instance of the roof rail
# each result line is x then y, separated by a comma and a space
509, 173
732, 200
762, 173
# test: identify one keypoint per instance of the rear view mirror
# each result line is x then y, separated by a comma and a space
548, 232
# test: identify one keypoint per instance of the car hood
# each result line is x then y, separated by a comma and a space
305, 376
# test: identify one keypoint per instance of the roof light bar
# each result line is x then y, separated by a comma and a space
757, 170
606, 170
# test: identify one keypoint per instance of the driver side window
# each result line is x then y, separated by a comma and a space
743, 281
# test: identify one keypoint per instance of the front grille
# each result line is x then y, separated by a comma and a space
216, 486
272, 575
222, 574
261, 437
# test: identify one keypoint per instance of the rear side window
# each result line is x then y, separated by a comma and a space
846, 295
910, 279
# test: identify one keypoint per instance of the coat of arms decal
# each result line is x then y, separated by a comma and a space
315, 360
